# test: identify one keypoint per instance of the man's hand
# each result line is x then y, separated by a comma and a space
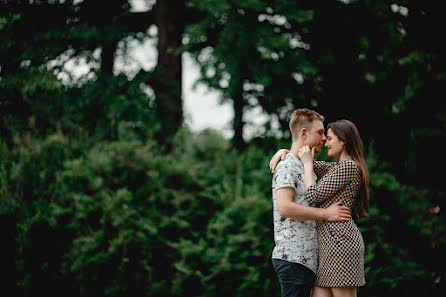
337, 212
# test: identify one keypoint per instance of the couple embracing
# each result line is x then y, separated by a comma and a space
319, 250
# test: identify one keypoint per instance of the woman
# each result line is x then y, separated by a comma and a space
341, 246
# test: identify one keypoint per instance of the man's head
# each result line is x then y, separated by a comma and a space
307, 126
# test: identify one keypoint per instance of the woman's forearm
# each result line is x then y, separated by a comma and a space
308, 175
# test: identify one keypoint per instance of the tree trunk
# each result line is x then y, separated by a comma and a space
108, 57
170, 22
238, 123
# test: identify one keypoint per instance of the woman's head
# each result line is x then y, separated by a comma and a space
343, 138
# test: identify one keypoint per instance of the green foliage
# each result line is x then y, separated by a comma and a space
122, 218
403, 239
134, 218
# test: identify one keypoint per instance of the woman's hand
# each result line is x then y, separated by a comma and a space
279, 155
306, 154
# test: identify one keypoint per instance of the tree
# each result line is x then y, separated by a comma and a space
248, 51
77, 30
170, 24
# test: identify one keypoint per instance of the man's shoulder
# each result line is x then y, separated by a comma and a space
288, 173
290, 164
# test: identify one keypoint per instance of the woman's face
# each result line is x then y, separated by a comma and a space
333, 144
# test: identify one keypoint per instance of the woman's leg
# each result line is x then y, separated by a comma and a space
321, 292
344, 292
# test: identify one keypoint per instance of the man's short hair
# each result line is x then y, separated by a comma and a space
303, 118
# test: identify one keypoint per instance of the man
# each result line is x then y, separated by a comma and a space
295, 255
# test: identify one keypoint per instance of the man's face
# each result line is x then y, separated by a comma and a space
316, 136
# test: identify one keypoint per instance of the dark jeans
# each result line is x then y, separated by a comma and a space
296, 280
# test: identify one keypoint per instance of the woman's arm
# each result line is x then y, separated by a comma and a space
322, 167
289, 209
279, 155
332, 183
306, 155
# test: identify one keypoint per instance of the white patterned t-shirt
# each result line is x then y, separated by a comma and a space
296, 241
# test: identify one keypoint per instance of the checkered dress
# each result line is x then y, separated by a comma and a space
341, 247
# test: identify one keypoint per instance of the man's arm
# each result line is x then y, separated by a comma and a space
289, 209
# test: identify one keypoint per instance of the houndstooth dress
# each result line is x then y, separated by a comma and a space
341, 246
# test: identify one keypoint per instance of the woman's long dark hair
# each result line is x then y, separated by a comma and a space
347, 132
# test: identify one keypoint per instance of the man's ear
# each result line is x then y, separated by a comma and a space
303, 133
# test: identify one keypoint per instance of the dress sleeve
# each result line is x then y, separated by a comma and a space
332, 183
322, 167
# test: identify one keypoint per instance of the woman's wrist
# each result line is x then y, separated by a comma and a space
308, 164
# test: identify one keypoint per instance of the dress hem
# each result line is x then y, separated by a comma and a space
340, 285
